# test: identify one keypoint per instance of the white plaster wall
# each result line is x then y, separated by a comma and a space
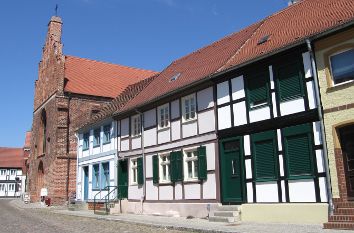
271, 77
135, 192
224, 117
192, 191
280, 146
96, 150
79, 145
210, 150
292, 106
223, 93
320, 161
238, 88
206, 121
311, 94
150, 118
176, 130
240, 113
148, 161
317, 133
166, 192
152, 192
136, 143
281, 165
178, 191
267, 192
248, 166
302, 191
282, 184
205, 98
124, 127
150, 137
274, 102
124, 144
189, 129
247, 144
249, 188
209, 187
323, 189
175, 109
307, 64
163, 135
259, 114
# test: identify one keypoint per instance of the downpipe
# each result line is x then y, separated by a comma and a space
323, 135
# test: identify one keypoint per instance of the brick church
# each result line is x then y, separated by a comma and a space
69, 91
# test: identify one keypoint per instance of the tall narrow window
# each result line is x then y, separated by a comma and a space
96, 137
106, 134
42, 133
189, 107
165, 168
105, 175
191, 164
2, 172
12, 172
136, 125
342, 66
86, 141
163, 113
134, 171
95, 176
258, 89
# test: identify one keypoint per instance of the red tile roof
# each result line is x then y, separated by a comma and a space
11, 157
291, 25
102, 79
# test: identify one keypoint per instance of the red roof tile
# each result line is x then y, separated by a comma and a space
11, 157
291, 25
97, 78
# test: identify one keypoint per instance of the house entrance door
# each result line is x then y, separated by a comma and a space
347, 144
122, 179
232, 171
86, 183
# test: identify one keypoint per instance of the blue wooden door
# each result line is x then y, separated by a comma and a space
86, 183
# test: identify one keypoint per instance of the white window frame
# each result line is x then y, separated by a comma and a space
134, 171
2, 172
136, 125
98, 141
188, 113
193, 160
330, 67
2, 187
163, 117
11, 187
12, 172
167, 165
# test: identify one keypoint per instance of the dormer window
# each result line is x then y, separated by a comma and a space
342, 66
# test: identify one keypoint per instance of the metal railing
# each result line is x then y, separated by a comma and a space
106, 198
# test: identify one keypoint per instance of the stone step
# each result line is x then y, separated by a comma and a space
221, 219
341, 218
225, 213
344, 211
228, 208
101, 212
339, 225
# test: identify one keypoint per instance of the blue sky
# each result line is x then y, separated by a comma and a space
148, 34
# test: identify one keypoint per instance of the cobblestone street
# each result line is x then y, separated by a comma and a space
16, 220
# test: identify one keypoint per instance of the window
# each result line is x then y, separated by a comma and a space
96, 137
264, 150
106, 134
163, 113
342, 66
136, 125
189, 107
11, 187
299, 151
258, 89
86, 143
191, 161
2, 172
165, 168
12, 172
134, 171
2, 187
95, 176
105, 175
289, 79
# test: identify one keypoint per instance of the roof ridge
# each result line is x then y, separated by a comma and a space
110, 63
241, 47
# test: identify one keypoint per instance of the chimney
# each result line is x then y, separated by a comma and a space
54, 29
292, 2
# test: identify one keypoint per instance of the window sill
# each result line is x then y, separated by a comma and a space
95, 146
291, 98
105, 143
163, 129
184, 122
165, 183
191, 181
136, 136
85, 149
258, 107
340, 86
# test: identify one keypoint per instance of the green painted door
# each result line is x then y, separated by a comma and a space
122, 179
232, 171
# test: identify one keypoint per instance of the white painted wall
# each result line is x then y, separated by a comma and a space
259, 114
163, 135
311, 94
209, 187
148, 161
240, 113
224, 117
192, 191
307, 64
267, 192
124, 144
222, 91
206, 121
205, 99
150, 137
135, 192
292, 106
166, 192
249, 188
178, 191
238, 88
248, 167
210, 150
176, 130
302, 191
247, 144
189, 129
152, 192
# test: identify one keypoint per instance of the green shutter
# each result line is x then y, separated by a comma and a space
155, 169
140, 171
257, 86
173, 166
264, 152
176, 161
299, 151
202, 163
290, 81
